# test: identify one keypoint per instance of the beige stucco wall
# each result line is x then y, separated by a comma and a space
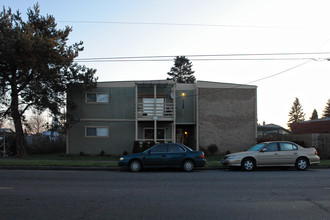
227, 117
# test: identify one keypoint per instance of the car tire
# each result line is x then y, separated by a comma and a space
248, 164
188, 165
301, 164
135, 166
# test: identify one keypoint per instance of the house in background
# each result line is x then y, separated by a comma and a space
113, 115
321, 125
267, 132
314, 133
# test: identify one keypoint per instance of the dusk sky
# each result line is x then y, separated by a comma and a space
297, 30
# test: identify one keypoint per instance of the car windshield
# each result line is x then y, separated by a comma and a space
148, 149
256, 147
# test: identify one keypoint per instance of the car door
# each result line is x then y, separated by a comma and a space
175, 155
269, 156
288, 153
156, 156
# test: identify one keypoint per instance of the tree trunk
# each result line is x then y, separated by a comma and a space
20, 142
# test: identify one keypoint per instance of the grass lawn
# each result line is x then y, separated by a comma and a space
61, 159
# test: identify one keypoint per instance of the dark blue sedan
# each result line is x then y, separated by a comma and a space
164, 155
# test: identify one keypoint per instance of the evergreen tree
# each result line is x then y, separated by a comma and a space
181, 72
314, 115
296, 113
36, 67
326, 112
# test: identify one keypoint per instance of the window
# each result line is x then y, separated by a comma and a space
172, 148
97, 98
149, 133
288, 146
271, 147
159, 149
97, 131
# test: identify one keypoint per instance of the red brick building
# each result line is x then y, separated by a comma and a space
311, 127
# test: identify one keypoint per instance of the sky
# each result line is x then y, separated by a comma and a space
130, 28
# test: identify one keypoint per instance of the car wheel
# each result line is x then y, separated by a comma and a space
301, 164
188, 165
248, 164
135, 166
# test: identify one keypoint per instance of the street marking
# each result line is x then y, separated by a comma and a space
6, 188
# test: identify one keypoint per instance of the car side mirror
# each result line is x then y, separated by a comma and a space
263, 150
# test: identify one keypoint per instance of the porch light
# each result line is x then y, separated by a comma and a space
183, 94
186, 133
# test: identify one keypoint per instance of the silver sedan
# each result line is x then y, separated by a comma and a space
275, 153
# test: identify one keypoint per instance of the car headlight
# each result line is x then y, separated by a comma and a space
231, 157
122, 158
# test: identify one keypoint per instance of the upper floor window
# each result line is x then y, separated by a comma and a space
97, 98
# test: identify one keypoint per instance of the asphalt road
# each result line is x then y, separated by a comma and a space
166, 194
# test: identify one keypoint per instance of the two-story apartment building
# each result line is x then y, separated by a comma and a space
113, 115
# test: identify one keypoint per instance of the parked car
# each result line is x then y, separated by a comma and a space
164, 155
275, 153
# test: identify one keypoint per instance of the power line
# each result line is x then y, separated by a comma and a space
257, 80
276, 74
219, 59
194, 57
187, 24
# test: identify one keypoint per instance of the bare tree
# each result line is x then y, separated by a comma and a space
36, 124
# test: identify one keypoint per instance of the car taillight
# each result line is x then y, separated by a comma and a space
202, 156
316, 152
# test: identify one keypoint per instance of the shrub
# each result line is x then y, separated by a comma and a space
136, 147
102, 153
212, 149
145, 146
10, 144
202, 149
46, 146
151, 143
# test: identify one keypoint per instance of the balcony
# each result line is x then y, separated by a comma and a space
152, 111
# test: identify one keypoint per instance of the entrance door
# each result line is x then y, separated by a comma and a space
185, 134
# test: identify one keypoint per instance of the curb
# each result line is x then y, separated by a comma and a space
107, 168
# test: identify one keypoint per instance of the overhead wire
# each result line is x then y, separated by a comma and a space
276, 74
205, 57
161, 58
257, 80
187, 24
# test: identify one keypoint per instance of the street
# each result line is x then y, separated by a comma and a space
165, 194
